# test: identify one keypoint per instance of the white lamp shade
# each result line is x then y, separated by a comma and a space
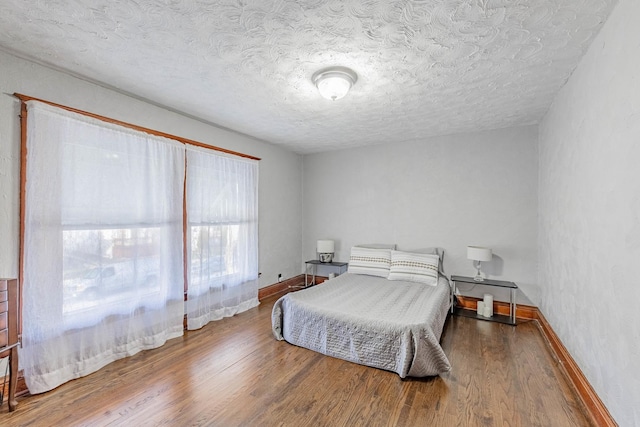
325, 247
478, 253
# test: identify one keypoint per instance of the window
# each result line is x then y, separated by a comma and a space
104, 241
222, 212
110, 270
103, 274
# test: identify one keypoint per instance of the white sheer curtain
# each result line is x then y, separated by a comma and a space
222, 236
103, 254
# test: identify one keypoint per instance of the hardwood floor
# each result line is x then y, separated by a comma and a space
234, 373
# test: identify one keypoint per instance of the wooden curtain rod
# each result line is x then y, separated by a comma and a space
25, 98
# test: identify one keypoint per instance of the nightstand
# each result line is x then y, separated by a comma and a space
339, 267
510, 319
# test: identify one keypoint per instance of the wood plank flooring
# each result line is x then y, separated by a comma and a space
234, 373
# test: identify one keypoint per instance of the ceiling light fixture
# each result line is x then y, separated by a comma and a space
334, 82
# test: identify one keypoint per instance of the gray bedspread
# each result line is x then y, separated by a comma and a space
391, 325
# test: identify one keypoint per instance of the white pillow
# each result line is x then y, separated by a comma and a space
378, 245
435, 251
374, 262
414, 267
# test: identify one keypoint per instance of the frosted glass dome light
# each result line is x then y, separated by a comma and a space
335, 82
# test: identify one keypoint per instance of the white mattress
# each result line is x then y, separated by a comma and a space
391, 325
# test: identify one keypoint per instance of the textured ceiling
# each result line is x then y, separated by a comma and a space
425, 67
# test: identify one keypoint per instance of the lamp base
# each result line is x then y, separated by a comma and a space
479, 277
325, 257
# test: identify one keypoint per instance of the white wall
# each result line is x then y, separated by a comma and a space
280, 170
589, 228
451, 191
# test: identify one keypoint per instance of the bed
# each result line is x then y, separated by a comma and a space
388, 324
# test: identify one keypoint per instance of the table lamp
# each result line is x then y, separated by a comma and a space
478, 254
325, 249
